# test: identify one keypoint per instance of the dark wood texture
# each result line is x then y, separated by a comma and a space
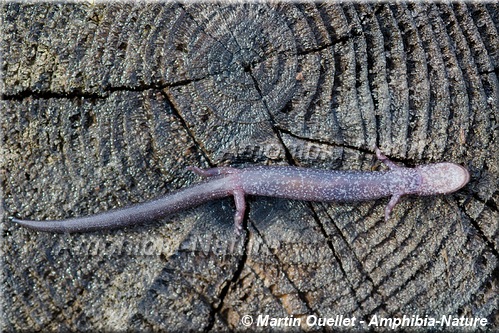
105, 105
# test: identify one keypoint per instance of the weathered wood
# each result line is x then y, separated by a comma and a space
105, 105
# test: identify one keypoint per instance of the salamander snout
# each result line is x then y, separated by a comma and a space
442, 178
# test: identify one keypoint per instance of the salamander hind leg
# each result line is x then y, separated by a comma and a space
211, 172
240, 210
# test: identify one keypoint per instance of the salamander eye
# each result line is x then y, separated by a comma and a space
442, 178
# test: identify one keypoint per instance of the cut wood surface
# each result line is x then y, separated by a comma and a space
104, 105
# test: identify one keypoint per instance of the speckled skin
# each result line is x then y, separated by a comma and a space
284, 182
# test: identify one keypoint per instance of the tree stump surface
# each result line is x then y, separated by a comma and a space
104, 105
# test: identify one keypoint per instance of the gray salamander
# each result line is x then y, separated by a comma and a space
275, 181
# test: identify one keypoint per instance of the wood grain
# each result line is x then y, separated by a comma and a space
104, 105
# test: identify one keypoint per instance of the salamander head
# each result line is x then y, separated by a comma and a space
441, 178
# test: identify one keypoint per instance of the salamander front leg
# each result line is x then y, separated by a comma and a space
389, 207
385, 160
